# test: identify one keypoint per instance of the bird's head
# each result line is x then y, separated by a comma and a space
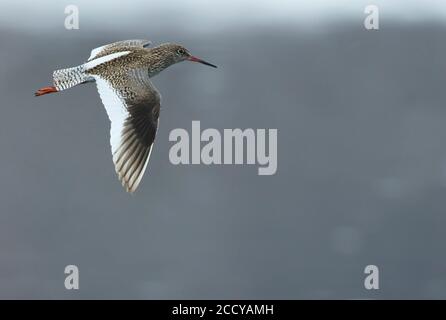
179, 53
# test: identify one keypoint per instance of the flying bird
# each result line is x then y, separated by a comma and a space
122, 72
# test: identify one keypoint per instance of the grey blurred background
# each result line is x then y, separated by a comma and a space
361, 154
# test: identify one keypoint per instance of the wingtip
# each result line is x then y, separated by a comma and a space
129, 190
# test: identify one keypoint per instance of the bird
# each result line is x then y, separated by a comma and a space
122, 71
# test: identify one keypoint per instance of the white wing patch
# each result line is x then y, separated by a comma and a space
115, 108
94, 63
130, 156
126, 43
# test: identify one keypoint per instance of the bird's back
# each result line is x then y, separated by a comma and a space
131, 58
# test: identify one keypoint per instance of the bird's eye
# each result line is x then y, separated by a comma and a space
181, 52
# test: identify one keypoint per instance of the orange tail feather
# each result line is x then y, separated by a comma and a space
45, 90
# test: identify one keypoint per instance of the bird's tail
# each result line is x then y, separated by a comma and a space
64, 79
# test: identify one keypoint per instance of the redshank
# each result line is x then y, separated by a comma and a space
122, 72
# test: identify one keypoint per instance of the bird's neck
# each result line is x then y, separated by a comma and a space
158, 60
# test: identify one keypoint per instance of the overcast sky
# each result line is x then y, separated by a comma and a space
361, 173
211, 15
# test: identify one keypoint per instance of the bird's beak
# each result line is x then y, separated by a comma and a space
195, 59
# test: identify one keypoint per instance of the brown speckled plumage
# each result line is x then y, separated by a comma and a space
122, 72
153, 59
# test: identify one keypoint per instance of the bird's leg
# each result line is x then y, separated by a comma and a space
45, 90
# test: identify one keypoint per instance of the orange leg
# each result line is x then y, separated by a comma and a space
45, 90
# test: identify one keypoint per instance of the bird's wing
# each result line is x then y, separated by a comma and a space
117, 46
133, 105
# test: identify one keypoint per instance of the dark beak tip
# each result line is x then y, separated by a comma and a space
210, 65
195, 59
207, 64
